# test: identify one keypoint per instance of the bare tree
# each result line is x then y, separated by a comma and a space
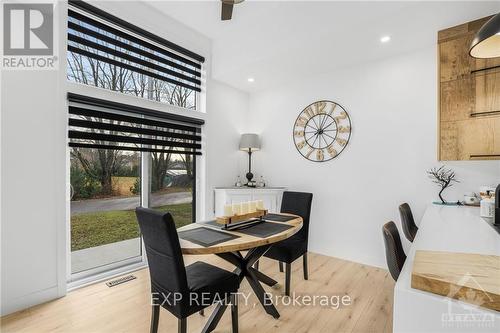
99, 164
443, 177
102, 163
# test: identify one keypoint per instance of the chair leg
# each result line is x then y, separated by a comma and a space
281, 266
256, 265
234, 312
155, 315
304, 261
182, 326
288, 273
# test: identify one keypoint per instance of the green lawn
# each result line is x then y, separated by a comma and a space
99, 228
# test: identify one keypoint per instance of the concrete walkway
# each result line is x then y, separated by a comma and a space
103, 205
93, 257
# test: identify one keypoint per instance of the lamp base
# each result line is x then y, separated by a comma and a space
250, 183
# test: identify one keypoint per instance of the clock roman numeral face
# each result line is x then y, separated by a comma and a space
322, 131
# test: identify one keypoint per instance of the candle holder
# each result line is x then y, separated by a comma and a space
236, 221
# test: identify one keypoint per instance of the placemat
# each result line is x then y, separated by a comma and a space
278, 217
206, 236
264, 229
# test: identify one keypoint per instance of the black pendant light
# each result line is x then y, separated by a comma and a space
486, 43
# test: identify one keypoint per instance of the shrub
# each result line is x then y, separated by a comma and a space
83, 186
136, 188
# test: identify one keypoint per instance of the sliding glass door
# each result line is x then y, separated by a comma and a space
105, 187
172, 184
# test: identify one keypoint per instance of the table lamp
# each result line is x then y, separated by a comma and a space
249, 142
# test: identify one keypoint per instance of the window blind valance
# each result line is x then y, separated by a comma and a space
99, 35
101, 124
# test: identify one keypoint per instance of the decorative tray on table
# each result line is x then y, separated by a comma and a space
242, 220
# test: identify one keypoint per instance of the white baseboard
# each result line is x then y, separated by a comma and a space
23, 302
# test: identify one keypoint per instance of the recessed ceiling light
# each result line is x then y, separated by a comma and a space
251, 79
385, 39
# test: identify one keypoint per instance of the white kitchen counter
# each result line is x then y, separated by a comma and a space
451, 229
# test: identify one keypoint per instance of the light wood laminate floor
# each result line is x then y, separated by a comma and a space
126, 308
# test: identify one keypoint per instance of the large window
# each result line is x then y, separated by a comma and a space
124, 156
107, 52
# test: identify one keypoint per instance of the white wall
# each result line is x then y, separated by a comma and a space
33, 155
393, 109
33, 188
227, 109
33, 191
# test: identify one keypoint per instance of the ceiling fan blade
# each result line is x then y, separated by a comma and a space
227, 11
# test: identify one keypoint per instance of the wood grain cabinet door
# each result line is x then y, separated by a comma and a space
454, 63
448, 141
475, 139
469, 98
486, 93
457, 99
496, 138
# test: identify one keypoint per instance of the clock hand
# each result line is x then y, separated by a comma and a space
324, 120
333, 122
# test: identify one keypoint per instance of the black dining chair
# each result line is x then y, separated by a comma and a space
288, 250
177, 288
409, 227
394, 252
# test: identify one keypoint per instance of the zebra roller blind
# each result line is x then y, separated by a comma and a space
101, 124
96, 34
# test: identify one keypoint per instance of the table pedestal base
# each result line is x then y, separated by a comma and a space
244, 269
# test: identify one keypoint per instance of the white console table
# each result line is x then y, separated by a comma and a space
229, 195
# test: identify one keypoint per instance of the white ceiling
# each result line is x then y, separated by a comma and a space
278, 41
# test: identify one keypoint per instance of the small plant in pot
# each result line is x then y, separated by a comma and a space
444, 178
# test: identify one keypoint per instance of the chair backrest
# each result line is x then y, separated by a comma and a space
166, 265
298, 203
394, 252
407, 222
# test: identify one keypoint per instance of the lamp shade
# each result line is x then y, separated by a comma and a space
250, 142
486, 43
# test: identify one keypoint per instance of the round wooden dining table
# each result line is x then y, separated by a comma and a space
230, 251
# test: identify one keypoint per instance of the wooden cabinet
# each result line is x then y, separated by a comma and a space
229, 195
469, 98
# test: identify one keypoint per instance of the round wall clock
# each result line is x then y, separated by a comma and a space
322, 131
